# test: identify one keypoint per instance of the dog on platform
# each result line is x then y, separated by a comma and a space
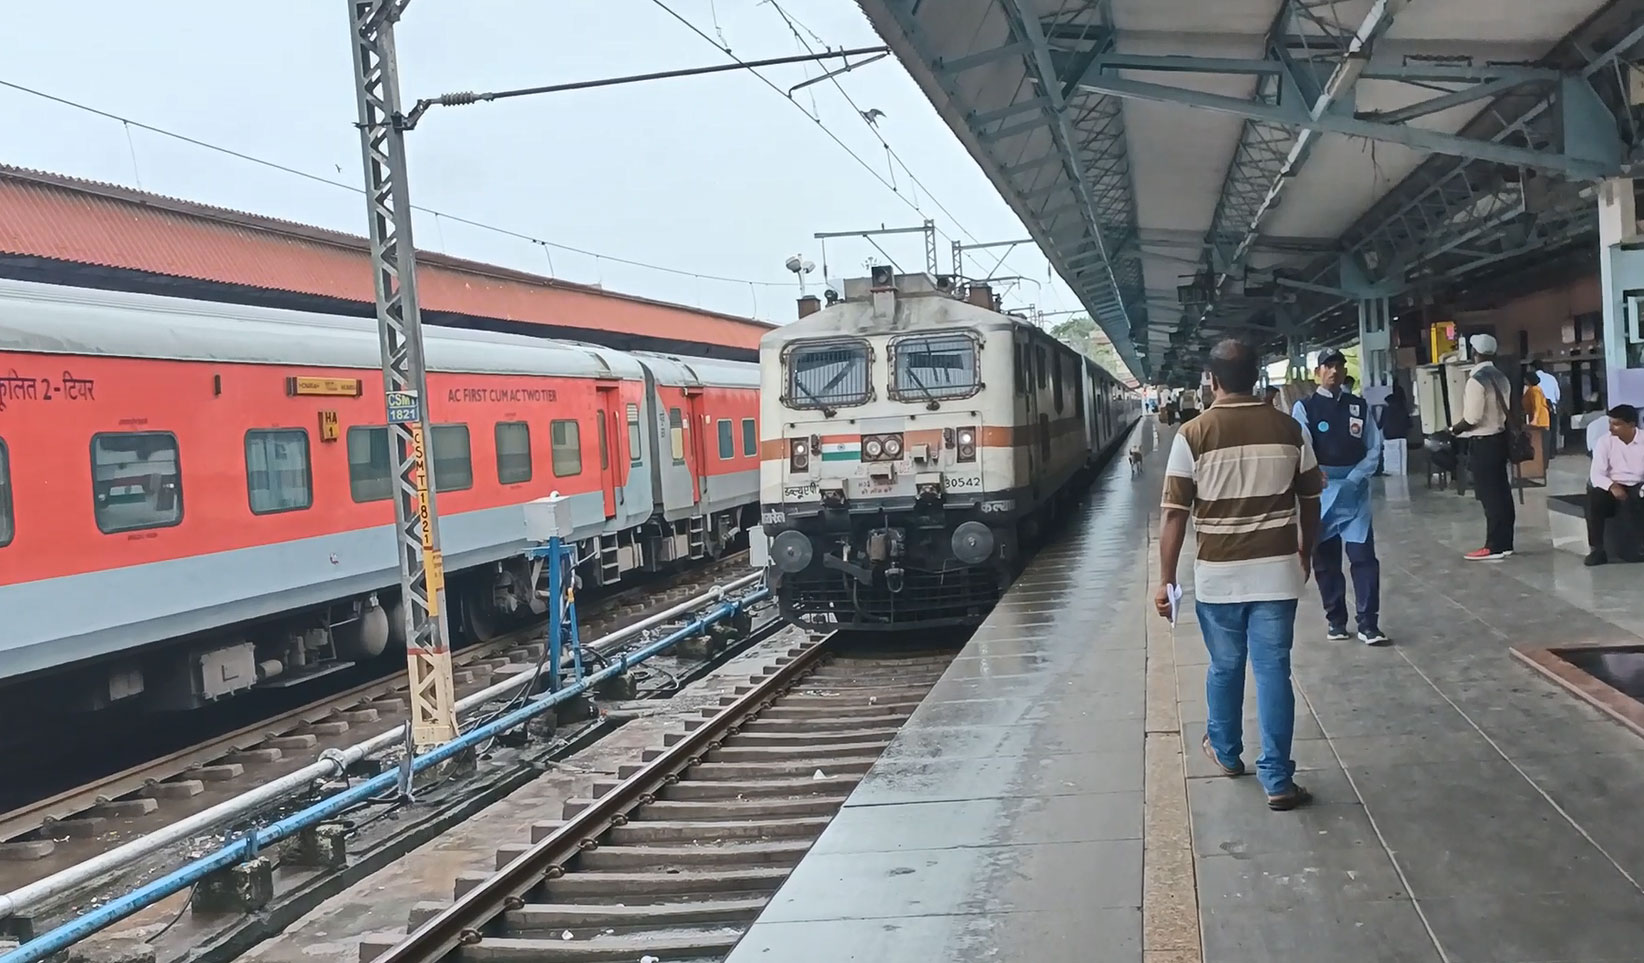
1135, 460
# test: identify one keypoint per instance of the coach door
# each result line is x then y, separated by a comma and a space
609, 410
696, 434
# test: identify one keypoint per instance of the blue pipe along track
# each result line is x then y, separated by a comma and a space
251, 844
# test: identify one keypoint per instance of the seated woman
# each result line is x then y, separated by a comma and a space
1613, 486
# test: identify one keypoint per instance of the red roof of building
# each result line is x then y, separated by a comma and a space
67, 219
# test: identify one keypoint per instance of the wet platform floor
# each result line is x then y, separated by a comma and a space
1041, 806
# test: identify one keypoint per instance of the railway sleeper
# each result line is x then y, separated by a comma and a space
558, 917
687, 830
878, 721
663, 858
841, 708
819, 745
858, 763
802, 737
668, 810
694, 882
828, 750
732, 789
666, 944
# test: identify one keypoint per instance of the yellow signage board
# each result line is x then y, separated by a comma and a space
323, 387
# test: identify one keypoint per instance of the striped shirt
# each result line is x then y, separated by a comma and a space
1239, 468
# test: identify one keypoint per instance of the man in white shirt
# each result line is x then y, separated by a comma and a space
1548, 383
1613, 485
1484, 413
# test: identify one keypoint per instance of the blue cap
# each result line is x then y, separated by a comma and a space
1331, 356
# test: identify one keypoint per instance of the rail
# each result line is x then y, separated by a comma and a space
462, 922
332, 764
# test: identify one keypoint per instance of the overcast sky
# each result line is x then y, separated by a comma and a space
718, 175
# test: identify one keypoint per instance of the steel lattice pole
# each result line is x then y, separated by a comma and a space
393, 268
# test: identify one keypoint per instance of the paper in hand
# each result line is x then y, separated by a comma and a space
1173, 592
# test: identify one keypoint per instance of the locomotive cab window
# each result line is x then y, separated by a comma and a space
828, 374
513, 452
931, 367
8, 524
727, 439
136, 481
277, 473
566, 439
1056, 383
750, 437
452, 458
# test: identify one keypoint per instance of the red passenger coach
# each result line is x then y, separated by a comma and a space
195, 498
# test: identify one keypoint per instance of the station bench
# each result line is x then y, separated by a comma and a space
1567, 520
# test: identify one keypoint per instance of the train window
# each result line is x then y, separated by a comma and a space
604, 452
1079, 386
370, 466
136, 481
1039, 365
829, 374
513, 452
636, 454
928, 367
453, 459
1056, 383
750, 437
676, 435
8, 525
277, 473
566, 438
727, 439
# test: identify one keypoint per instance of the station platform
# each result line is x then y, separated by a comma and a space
1049, 800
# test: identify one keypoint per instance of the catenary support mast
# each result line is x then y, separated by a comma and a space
393, 268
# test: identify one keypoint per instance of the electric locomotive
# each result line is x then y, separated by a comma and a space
914, 439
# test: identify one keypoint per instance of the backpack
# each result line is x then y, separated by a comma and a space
1519, 446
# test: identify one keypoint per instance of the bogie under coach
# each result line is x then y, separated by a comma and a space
913, 442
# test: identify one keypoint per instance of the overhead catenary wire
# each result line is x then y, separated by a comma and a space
354, 189
874, 173
795, 25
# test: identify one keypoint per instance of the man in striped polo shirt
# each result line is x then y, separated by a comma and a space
1245, 472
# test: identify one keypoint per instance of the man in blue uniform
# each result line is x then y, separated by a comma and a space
1348, 445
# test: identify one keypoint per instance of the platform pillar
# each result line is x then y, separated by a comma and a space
1621, 277
1375, 342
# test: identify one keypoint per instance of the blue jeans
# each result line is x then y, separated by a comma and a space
1263, 631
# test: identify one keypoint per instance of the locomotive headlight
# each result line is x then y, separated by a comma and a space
873, 448
799, 454
893, 446
967, 444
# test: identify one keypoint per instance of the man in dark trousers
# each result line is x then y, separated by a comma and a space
1348, 445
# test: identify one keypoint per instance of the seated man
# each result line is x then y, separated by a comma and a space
1613, 486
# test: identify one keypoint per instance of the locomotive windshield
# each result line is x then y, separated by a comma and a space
831, 374
929, 367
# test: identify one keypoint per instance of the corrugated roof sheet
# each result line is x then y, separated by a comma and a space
62, 218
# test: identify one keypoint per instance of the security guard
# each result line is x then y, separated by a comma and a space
1348, 445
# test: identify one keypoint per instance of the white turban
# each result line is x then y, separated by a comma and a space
1482, 344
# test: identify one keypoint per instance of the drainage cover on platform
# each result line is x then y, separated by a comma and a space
1611, 677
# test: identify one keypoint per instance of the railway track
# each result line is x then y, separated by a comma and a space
674, 861
69, 826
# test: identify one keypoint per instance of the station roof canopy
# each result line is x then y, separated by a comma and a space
69, 231
1200, 168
